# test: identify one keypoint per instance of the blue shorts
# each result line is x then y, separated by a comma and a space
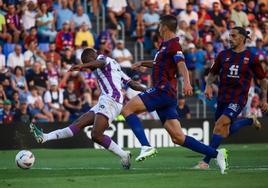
157, 100
229, 109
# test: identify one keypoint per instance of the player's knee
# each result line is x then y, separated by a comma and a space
179, 139
126, 112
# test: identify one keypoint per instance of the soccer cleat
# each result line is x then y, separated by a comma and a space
146, 152
125, 161
38, 133
222, 160
202, 165
256, 122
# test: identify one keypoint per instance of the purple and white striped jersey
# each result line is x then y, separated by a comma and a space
111, 78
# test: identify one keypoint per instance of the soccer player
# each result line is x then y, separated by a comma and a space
162, 97
110, 78
235, 68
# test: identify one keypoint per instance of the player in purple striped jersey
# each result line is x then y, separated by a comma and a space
235, 67
110, 78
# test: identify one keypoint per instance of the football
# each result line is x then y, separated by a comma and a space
25, 159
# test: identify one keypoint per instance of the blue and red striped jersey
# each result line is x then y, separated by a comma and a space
236, 71
164, 72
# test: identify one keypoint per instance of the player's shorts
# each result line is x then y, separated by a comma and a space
107, 107
165, 106
229, 109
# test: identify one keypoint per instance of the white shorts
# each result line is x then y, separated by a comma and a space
107, 107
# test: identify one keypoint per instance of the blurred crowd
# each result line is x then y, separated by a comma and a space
41, 39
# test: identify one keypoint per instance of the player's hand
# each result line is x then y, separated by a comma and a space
136, 66
187, 89
74, 68
264, 106
208, 92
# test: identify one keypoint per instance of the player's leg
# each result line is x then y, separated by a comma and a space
130, 111
83, 121
174, 129
100, 125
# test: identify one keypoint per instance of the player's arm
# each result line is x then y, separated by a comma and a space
90, 65
260, 74
187, 88
212, 77
136, 86
146, 63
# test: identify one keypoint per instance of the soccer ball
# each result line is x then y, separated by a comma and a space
25, 159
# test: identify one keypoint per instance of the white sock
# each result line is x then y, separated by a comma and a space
58, 134
117, 150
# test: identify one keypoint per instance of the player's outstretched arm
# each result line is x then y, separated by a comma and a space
264, 88
136, 86
90, 65
187, 88
139, 64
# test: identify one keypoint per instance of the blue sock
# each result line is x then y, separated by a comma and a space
199, 147
239, 124
136, 126
215, 142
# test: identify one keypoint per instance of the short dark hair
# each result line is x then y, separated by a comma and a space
87, 55
242, 31
170, 21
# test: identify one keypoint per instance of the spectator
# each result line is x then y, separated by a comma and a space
106, 40
68, 59
31, 37
4, 35
202, 15
262, 15
79, 50
188, 15
238, 15
167, 10
2, 60
210, 56
53, 57
65, 38
52, 72
225, 35
16, 58
7, 116
179, 5
29, 14
140, 25
193, 31
80, 17
46, 23
183, 109
16, 101
54, 99
254, 108
254, 33
84, 35
123, 56
90, 81
251, 11
2, 93
151, 21
217, 17
37, 77
64, 14
22, 114
117, 10
206, 33
33, 54
259, 50
72, 102
37, 108
190, 59
265, 33
183, 34
18, 82
13, 20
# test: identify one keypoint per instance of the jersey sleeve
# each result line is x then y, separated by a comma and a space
176, 52
257, 68
216, 67
125, 78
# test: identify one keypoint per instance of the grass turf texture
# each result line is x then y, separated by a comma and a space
170, 168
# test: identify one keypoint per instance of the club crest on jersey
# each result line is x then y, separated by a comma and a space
234, 107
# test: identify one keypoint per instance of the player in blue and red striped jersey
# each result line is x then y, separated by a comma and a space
162, 97
235, 67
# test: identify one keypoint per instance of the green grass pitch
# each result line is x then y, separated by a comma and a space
170, 168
